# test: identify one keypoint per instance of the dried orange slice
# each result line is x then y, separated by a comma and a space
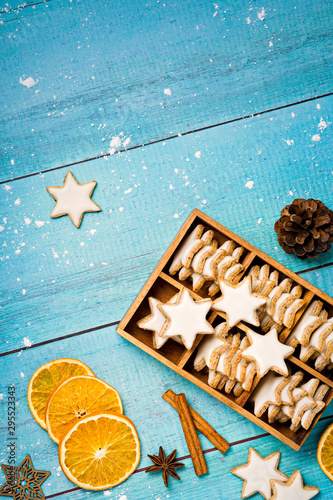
325, 452
46, 379
78, 397
100, 451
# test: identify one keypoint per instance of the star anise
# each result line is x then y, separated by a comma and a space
167, 465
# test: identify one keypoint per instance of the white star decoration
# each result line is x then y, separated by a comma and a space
154, 322
267, 392
267, 352
238, 302
208, 345
73, 199
257, 472
186, 318
293, 489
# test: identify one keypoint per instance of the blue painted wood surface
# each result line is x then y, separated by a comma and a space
103, 69
134, 373
93, 274
220, 63
219, 483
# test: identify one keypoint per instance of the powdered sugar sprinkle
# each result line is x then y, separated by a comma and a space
249, 184
28, 82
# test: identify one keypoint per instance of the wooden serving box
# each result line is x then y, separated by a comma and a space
163, 286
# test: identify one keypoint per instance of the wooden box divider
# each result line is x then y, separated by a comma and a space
242, 399
163, 286
306, 368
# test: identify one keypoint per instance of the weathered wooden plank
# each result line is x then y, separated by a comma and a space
8, 6
323, 281
199, 64
219, 483
93, 274
133, 373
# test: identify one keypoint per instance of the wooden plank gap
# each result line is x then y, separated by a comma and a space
70, 335
22, 6
311, 370
175, 136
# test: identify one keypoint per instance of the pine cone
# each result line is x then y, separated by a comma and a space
305, 228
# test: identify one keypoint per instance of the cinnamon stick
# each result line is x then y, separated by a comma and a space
200, 423
191, 436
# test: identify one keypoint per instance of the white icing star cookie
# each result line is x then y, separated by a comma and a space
73, 199
190, 245
293, 489
287, 392
209, 346
267, 352
309, 415
155, 322
268, 392
257, 473
186, 318
308, 322
238, 302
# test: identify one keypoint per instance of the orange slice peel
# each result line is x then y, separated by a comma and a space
100, 451
46, 378
325, 452
76, 398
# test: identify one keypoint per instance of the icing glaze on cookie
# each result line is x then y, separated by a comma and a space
281, 305
307, 320
200, 257
186, 318
309, 415
223, 365
267, 352
301, 406
155, 321
293, 308
311, 386
238, 302
73, 199
268, 392
287, 392
257, 473
249, 375
187, 249
208, 345
319, 336
293, 489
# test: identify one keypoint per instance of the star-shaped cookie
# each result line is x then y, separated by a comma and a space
292, 489
23, 481
267, 352
210, 345
238, 302
73, 199
257, 473
155, 321
190, 245
186, 318
268, 392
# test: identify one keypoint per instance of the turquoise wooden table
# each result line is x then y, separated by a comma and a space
169, 106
